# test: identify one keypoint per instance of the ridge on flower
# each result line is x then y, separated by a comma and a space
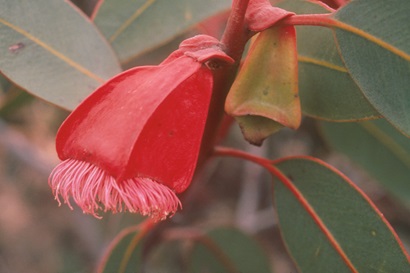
133, 144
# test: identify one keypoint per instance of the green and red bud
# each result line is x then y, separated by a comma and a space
264, 96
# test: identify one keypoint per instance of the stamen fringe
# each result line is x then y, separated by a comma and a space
93, 190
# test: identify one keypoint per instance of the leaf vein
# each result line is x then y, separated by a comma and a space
388, 142
52, 51
131, 19
372, 38
318, 62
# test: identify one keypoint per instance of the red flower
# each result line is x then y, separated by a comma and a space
134, 143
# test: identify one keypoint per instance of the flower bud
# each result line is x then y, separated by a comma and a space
264, 96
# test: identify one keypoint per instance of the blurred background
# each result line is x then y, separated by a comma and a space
38, 236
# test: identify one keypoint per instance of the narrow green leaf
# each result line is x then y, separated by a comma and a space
228, 250
133, 27
53, 51
375, 46
12, 97
125, 252
377, 147
326, 89
329, 225
165, 257
4, 84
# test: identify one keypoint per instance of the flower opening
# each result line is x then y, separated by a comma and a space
93, 190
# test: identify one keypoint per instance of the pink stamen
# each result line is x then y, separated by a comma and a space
93, 189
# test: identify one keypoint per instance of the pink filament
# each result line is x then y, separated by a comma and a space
93, 189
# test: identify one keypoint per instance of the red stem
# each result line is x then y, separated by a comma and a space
233, 42
223, 151
323, 20
269, 165
266, 163
201, 237
235, 35
143, 229
340, 3
219, 151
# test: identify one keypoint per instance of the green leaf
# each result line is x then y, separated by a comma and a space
375, 46
5, 84
326, 89
228, 250
125, 252
165, 257
133, 27
377, 147
53, 51
12, 97
329, 225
